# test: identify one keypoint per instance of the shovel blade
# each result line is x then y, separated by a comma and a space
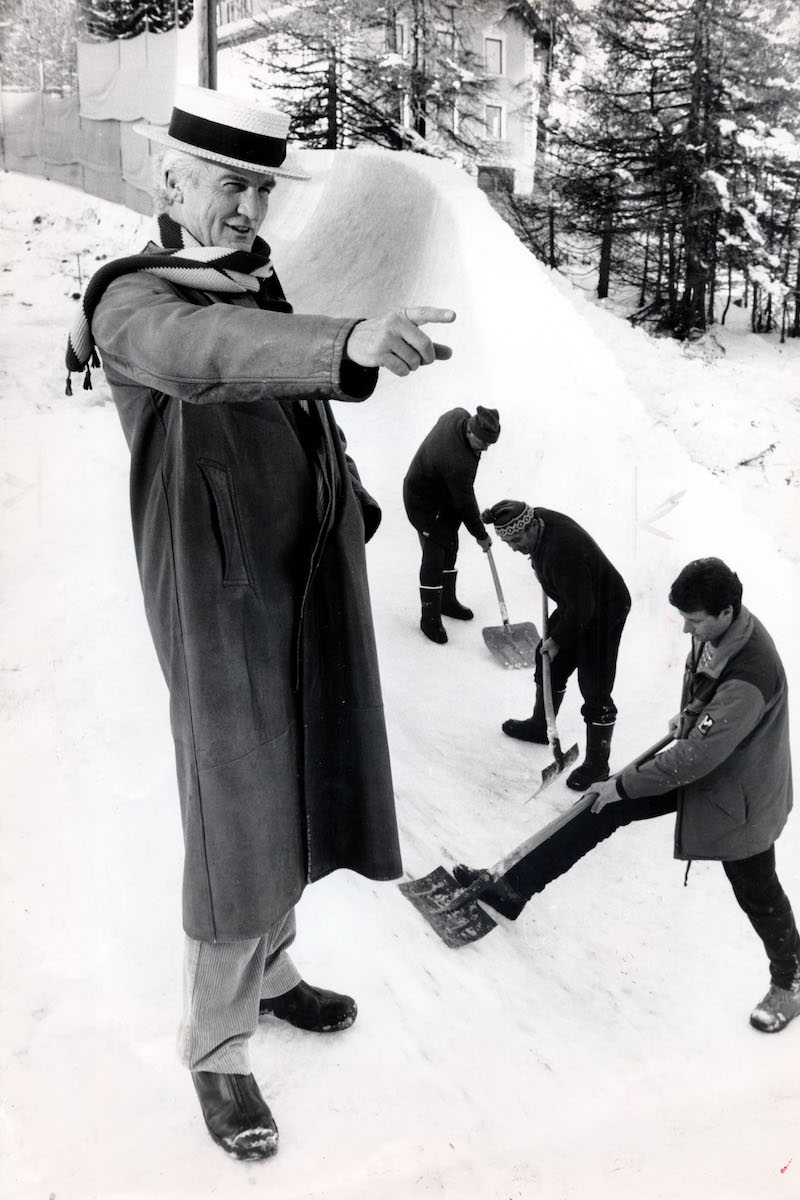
432, 895
555, 768
513, 645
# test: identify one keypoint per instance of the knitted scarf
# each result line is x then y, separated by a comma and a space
185, 262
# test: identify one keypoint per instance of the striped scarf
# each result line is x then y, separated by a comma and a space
184, 262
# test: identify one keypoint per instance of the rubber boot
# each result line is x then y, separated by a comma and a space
595, 765
431, 623
451, 606
534, 729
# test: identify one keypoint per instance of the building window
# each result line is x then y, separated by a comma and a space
493, 54
400, 38
494, 121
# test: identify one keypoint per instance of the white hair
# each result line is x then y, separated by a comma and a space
182, 166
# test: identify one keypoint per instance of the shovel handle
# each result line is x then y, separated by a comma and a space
547, 692
585, 801
497, 588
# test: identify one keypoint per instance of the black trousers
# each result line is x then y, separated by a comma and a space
439, 553
594, 656
754, 880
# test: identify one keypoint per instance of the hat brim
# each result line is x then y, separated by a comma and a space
156, 134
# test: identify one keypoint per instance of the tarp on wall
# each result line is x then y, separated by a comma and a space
23, 129
44, 135
133, 79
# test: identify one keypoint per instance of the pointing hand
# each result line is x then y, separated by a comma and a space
395, 341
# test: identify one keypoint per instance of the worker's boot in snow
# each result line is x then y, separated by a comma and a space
595, 765
534, 729
450, 606
431, 622
777, 1009
500, 896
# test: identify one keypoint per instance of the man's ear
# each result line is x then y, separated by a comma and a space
173, 187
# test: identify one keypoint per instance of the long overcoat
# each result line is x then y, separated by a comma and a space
249, 526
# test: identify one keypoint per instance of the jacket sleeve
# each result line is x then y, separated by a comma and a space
731, 714
219, 353
460, 484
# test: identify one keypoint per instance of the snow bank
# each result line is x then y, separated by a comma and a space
599, 1046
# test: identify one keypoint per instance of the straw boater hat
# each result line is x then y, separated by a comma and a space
226, 129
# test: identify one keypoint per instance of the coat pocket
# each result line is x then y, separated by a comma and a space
220, 484
732, 802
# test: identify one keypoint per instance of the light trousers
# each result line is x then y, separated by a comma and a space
222, 985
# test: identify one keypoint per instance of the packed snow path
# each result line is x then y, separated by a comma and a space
599, 1047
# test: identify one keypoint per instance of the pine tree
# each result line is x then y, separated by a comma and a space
348, 71
658, 160
105, 20
37, 45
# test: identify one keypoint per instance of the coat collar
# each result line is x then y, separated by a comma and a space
712, 660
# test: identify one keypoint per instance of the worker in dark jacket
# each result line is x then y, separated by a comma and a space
727, 775
583, 632
439, 495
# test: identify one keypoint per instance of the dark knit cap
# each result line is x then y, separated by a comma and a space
485, 425
508, 517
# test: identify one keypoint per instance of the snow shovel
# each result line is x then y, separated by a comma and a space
561, 760
454, 912
512, 645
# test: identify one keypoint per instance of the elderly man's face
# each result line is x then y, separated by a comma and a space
223, 206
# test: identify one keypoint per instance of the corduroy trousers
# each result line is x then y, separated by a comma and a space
223, 983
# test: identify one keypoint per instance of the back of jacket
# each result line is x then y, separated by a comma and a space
575, 572
438, 486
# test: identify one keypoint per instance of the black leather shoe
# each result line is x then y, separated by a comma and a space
311, 1008
525, 731
236, 1115
500, 896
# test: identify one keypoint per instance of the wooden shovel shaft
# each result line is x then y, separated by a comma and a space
547, 691
497, 588
585, 801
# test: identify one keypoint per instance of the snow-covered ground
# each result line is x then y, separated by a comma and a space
598, 1047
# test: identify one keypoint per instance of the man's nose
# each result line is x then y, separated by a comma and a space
248, 204
687, 627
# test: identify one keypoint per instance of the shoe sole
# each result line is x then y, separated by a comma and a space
345, 1023
250, 1145
780, 1023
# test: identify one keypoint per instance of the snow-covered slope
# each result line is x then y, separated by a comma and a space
599, 1047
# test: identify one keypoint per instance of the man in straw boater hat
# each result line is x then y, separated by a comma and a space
249, 523
439, 496
727, 775
583, 632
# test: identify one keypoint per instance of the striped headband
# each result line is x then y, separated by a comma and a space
515, 525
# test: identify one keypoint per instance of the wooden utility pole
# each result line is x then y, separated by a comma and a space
205, 13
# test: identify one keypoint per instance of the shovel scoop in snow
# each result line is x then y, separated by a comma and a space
511, 645
454, 914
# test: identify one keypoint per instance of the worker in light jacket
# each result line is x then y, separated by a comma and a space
727, 775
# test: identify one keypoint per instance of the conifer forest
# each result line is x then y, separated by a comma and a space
667, 132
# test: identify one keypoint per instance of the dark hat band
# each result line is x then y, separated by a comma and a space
254, 148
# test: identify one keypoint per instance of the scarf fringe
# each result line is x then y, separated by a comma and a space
213, 268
